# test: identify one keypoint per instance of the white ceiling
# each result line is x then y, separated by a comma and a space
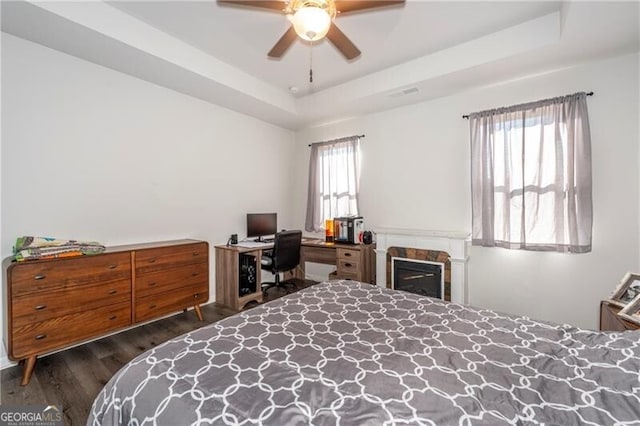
419, 51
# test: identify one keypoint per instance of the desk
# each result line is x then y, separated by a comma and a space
238, 273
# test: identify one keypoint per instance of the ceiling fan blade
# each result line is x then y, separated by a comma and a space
346, 6
283, 44
342, 42
262, 4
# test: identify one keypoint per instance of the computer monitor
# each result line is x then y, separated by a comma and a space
261, 224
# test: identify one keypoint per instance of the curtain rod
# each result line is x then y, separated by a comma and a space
466, 116
338, 140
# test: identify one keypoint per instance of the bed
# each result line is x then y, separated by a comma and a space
348, 353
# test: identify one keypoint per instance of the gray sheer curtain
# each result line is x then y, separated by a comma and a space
334, 173
531, 176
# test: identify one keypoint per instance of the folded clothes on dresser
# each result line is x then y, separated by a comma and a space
29, 248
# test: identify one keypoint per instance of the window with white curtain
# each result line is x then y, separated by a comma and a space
334, 174
531, 176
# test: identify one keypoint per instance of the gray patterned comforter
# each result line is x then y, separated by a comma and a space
354, 354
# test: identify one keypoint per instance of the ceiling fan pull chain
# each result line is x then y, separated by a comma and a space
311, 61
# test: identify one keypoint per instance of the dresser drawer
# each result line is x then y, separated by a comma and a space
151, 260
36, 307
52, 334
172, 279
40, 276
348, 254
163, 303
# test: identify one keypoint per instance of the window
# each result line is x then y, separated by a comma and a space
334, 174
531, 176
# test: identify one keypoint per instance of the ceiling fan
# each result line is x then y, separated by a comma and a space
312, 20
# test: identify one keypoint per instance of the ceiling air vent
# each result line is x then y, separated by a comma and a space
404, 92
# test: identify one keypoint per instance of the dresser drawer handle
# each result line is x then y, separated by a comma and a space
152, 306
195, 253
112, 317
347, 254
112, 266
39, 277
113, 291
41, 336
39, 307
152, 283
348, 265
152, 260
195, 274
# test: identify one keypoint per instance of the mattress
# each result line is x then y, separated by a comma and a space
349, 353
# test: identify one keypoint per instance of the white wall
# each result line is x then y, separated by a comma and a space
415, 174
90, 153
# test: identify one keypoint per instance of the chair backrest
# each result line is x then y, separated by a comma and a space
286, 250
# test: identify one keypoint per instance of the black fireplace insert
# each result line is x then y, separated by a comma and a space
418, 277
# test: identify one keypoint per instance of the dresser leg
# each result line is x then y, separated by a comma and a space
29, 365
198, 312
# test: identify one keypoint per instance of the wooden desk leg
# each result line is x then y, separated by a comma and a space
198, 312
301, 269
29, 365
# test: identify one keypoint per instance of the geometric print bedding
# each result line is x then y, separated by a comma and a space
347, 353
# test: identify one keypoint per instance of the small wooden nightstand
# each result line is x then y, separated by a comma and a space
610, 321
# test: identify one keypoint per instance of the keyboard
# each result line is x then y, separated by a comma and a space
252, 244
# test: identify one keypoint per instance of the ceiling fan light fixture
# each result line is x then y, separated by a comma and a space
311, 23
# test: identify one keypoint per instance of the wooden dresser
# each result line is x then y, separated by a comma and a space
53, 304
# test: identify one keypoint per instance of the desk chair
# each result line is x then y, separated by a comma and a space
284, 257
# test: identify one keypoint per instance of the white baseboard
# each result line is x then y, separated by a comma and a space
5, 362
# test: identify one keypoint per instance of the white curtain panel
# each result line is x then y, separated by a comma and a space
531, 176
334, 174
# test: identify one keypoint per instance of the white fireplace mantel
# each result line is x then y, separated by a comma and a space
456, 243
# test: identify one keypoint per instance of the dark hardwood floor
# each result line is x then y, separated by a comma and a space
73, 378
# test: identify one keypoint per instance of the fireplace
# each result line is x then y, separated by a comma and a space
417, 262
417, 276
449, 248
